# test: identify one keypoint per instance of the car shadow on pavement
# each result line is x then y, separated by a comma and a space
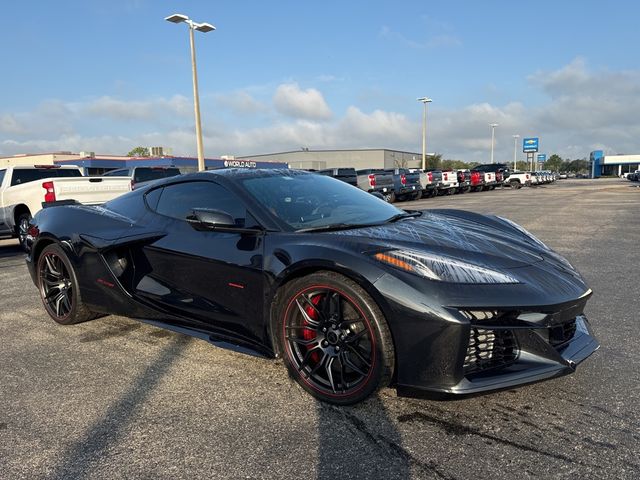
360, 442
80, 458
11, 251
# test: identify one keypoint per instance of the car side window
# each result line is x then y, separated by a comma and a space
152, 198
2, 172
180, 199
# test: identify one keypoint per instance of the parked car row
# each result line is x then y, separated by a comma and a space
632, 176
402, 184
542, 177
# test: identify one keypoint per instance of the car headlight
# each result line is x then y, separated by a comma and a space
525, 232
441, 268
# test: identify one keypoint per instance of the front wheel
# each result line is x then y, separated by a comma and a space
333, 338
59, 288
22, 226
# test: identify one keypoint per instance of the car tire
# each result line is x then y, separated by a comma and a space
390, 197
333, 338
58, 287
22, 230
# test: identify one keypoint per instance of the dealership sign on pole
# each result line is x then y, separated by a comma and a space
542, 157
530, 144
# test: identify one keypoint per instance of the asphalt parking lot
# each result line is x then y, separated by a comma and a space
115, 398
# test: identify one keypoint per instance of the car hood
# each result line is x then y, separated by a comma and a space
479, 239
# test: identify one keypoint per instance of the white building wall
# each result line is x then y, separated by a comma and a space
620, 159
38, 159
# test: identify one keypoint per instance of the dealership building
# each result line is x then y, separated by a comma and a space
602, 164
93, 164
358, 159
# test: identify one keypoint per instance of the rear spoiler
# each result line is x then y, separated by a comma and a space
60, 203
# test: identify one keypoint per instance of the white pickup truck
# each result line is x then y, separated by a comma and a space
23, 190
490, 181
449, 184
519, 179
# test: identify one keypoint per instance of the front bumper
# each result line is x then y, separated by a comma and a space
442, 347
31, 267
536, 360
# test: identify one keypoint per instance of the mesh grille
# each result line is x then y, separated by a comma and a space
561, 334
489, 349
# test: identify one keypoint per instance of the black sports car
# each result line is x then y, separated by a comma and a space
353, 293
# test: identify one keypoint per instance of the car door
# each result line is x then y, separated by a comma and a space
212, 277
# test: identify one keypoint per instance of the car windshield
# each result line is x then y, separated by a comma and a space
308, 201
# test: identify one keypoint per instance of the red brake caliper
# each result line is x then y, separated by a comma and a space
310, 334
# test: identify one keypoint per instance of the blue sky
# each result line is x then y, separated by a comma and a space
109, 75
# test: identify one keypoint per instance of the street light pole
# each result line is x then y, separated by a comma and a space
201, 27
424, 101
515, 150
493, 129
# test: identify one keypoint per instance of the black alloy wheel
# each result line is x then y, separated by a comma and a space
59, 288
335, 341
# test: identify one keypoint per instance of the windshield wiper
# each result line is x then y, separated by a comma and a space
403, 215
348, 226
336, 226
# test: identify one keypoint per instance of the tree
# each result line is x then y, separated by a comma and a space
578, 166
456, 165
555, 163
139, 152
433, 161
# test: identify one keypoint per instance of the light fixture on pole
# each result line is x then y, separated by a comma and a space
493, 137
204, 28
515, 151
424, 101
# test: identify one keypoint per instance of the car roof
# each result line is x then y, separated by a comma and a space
233, 175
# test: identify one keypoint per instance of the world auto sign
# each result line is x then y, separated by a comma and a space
239, 164
530, 144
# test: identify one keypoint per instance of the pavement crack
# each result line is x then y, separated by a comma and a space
386, 445
453, 428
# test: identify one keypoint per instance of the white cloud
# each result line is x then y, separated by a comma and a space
582, 110
11, 125
440, 40
240, 102
125, 110
290, 100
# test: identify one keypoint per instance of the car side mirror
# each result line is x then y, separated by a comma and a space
206, 219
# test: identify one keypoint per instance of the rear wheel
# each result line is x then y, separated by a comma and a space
334, 338
59, 289
390, 197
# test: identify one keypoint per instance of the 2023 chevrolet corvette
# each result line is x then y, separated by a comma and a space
353, 293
